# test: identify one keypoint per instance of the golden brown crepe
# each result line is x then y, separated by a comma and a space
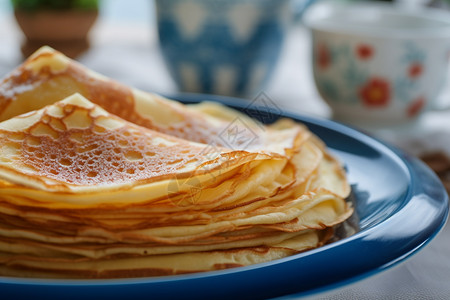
49, 76
99, 180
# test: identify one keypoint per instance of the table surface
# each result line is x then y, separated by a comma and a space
124, 46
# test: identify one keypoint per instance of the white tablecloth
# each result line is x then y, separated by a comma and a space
126, 49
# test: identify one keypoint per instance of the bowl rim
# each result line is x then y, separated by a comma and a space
317, 18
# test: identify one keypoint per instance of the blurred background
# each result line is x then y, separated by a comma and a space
124, 45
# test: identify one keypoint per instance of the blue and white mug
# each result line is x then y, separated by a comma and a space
226, 47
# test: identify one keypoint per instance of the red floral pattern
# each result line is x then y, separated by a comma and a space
376, 92
416, 106
415, 70
364, 51
323, 56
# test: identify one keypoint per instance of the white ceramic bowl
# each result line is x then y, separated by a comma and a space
378, 64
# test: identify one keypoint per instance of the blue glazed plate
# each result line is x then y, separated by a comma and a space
400, 203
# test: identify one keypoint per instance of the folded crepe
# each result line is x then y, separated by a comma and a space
48, 76
106, 184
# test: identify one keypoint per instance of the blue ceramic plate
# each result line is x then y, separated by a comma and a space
401, 206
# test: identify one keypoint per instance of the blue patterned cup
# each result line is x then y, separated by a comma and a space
227, 47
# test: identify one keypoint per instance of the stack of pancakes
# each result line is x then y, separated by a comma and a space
100, 180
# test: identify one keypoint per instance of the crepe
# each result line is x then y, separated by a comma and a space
98, 180
49, 76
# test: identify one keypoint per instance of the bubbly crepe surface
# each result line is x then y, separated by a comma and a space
100, 180
99, 148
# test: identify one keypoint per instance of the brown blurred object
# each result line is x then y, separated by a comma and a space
66, 31
439, 162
